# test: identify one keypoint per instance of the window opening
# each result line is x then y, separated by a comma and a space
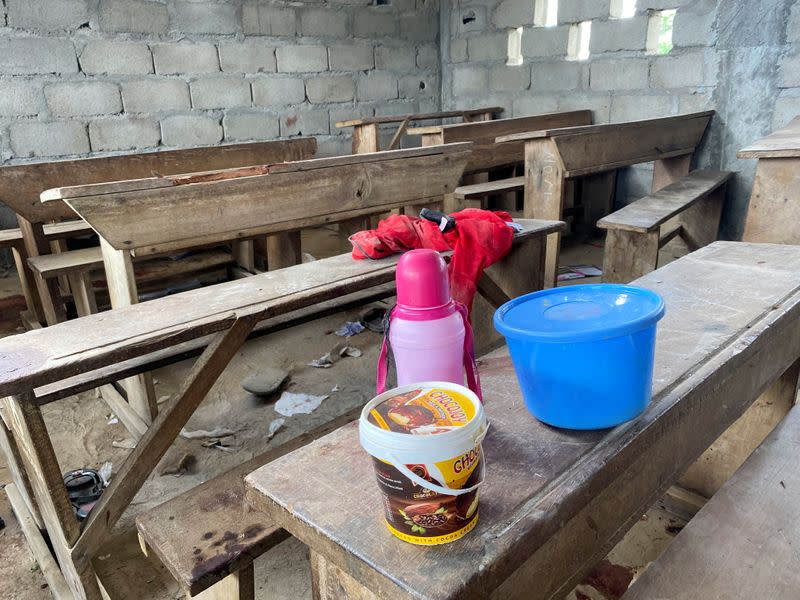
579, 37
659, 32
514, 47
545, 13
622, 9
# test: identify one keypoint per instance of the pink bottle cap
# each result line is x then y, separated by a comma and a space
422, 281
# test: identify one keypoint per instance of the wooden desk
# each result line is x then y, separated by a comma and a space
774, 210
96, 345
554, 156
555, 501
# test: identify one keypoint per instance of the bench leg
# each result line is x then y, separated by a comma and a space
628, 255
18, 475
669, 170
329, 582
236, 586
283, 250
544, 195
28, 284
366, 138
82, 293
244, 254
700, 222
348, 228
49, 297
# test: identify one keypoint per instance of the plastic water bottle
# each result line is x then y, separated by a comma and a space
426, 329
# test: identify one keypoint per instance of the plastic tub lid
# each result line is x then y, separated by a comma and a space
579, 313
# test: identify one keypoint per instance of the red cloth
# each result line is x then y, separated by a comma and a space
480, 239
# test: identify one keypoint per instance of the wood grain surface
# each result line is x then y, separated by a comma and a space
782, 143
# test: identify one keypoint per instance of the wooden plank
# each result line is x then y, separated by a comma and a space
649, 213
487, 154
19, 477
562, 488
176, 529
298, 196
417, 116
366, 139
160, 435
487, 188
239, 585
629, 255
135, 425
20, 185
284, 250
27, 283
782, 143
38, 547
669, 170
774, 203
742, 542
50, 300
37, 358
398, 135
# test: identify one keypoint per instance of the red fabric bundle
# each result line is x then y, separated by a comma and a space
480, 239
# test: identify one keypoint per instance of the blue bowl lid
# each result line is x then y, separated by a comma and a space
579, 313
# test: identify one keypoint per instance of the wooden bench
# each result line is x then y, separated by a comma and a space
689, 208
487, 155
555, 156
743, 542
555, 501
129, 340
20, 186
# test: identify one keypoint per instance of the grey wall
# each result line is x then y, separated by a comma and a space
739, 57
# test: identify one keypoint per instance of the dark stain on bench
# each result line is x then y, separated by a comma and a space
234, 546
609, 579
220, 500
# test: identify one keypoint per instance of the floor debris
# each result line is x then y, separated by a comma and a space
184, 464
126, 444
375, 319
218, 432
274, 426
339, 351
349, 329
293, 404
266, 382
105, 471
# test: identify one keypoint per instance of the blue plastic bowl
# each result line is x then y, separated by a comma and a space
583, 354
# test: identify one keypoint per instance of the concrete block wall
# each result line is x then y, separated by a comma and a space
739, 58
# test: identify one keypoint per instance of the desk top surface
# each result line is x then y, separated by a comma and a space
783, 143
538, 477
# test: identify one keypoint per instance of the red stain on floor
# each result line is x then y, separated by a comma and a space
609, 579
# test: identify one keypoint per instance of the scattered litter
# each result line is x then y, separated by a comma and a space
349, 328
127, 444
578, 272
323, 362
267, 381
181, 467
105, 471
339, 351
219, 432
350, 351
307, 258
274, 426
155, 380
162, 399
113, 420
104, 557
218, 445
515, 226
292, 404
375, 319
335, 388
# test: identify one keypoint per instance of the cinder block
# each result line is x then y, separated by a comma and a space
515, 13
418, 86
787, 107
220, 92
118, 57
545, 41
792, 25
351, 58
302, 59
205, 17
419, 28
493, 46
470, 80
403, 58
672, 71
21, 98
458, 51
550, 77
59, 138
789, 71
76, 99
333, 146
428, 57
250, 125
622, 74
347, 113
618, 34
376, 86
336, 88
631, 108
190, 130
509, 79
534, 105
124, 134
268, 20
36, 56
323, 22
155, 95
599, 104
699, 100
575, 11
691, 29
370, 23
278, 91
247, 58
50, 15
304, 122
469, 18
137, 16
177, 59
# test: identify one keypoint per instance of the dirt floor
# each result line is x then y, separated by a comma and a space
282, 573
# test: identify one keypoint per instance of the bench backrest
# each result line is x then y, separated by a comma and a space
599, 148
20, 185
486, 153
446, 114
160, 214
